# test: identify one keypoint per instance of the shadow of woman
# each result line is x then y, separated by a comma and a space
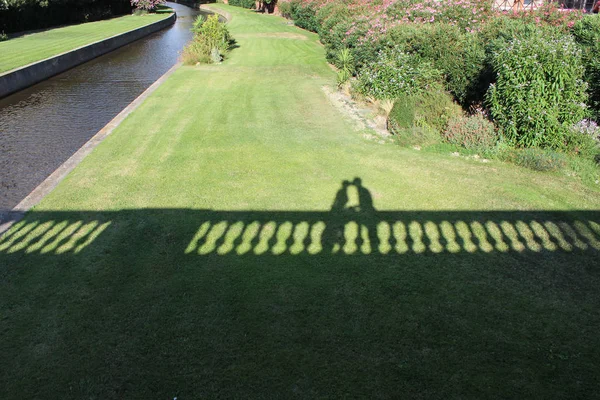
333, 239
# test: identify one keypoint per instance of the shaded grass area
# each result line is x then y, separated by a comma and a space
192, 303
208, 249
27, 49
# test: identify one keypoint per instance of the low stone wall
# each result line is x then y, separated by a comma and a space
31, 74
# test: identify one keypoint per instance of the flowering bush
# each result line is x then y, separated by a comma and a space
583, 139
589, 128
523, 66
148, 5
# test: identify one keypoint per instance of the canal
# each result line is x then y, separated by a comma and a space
42, 126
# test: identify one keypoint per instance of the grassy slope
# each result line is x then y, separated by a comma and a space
127, 312
34, 47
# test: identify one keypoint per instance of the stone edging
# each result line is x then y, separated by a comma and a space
22, 77
7, 219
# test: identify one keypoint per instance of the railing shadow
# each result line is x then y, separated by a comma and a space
347, 233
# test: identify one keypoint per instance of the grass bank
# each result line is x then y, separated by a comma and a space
30, 48
210, 248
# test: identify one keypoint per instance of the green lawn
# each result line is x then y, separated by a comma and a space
34, 47
201, 251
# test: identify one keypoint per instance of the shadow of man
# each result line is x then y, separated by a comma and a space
365, 218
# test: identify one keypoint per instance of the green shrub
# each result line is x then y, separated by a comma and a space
21, 15
538, 159
243, 3
285, 8
503, 28
396, 74
334, 21
419, 119
539, 92
472, 132
210, 43
345, 63
459, 55
587, 36
304, 16
3, 36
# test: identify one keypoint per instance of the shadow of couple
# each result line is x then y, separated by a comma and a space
343, 212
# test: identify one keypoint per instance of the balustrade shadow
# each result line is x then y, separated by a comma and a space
396, 302
315, 233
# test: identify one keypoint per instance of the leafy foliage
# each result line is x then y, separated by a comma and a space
539, 93
459, 55
397, 73
211, 41
304, 16
242, 3
587, 35
345, 63
20, 15
419, 119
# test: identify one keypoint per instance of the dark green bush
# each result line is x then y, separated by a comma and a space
243, 3
419, 119
471, 132
334, 21
587, 36
396, 74
20, 15
539, 91
304, 16
459, 55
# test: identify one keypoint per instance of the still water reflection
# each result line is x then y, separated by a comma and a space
41, 127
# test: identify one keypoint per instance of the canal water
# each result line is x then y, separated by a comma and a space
42, 126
